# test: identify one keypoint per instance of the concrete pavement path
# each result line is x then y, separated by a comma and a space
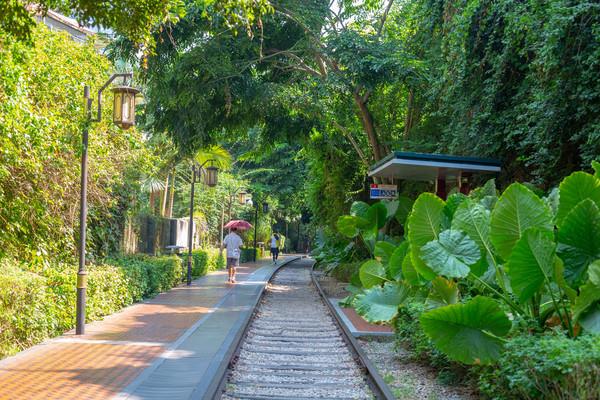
164, 348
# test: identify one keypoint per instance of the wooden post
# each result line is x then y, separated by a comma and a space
441, 184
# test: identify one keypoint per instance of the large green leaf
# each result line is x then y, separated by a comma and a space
371, 273
573, 189
596, 167
452, 203
424, 226
405, 205
451, 255
590, 320
377, 215
589, 293
468, 332
531, 262
559, 278
443, 292
474, 219
487, 190
409, 273
346, 225
384, 250
517, 210
380, 304
394, 267
579, 240
391, 207
359, 209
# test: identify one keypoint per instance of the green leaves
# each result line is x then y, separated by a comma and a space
443, 292
573, 189
451, 254
404, 206
423, 227
347, 226
588, 295
377, 215
468, 332
380, 304
394, 267
517, 210
371, 273
384, 250
579, 240
531, 263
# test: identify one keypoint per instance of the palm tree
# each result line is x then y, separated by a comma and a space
152, 185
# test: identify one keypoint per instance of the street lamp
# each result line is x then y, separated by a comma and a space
124, 117
211, 181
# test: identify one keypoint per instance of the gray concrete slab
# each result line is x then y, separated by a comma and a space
189, 368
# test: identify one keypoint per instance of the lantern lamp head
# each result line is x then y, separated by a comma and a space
124, 106
242, 197
212, 173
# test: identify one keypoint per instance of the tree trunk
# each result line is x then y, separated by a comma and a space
408, 120
152, 208
171, 195
367, 122
222, 223
163, 206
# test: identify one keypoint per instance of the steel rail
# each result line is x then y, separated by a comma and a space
216, 388
380, 389
378, 386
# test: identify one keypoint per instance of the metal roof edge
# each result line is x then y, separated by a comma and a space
435, 157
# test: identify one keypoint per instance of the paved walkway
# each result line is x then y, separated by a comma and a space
165, 348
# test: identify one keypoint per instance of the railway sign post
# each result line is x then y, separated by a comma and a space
383, 191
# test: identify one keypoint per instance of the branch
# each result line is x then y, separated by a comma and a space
384, 17
354, 144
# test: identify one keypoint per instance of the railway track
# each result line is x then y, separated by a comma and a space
293, 348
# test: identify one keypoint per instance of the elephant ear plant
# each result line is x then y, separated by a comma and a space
485, 265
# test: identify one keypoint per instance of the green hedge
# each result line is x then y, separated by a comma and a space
206, 260
36, 305
247, 254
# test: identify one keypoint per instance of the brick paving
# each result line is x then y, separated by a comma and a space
114, 351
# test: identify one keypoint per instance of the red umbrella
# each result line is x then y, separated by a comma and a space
238, 224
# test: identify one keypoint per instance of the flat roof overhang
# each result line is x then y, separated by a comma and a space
428, 167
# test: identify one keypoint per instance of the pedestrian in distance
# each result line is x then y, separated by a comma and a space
275, 246
233, 243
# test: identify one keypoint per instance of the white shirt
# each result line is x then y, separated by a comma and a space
233, 243
273, 242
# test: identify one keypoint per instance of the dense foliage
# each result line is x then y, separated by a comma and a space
41, 117
471, 271
40, 304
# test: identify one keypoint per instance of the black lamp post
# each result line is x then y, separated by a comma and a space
211, 181
123, 117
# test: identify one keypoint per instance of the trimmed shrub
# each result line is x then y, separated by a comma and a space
247, 254
549, 366
35, 305
26, 315
199, 263
216, 259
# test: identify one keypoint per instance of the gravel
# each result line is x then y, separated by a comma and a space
293, 348
407, 378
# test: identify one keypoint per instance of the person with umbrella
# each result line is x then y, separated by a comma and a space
233, 243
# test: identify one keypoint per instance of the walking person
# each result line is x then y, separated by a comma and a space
275, 246
233, 243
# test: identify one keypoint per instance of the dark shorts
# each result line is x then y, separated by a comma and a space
232, 262
275, 251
